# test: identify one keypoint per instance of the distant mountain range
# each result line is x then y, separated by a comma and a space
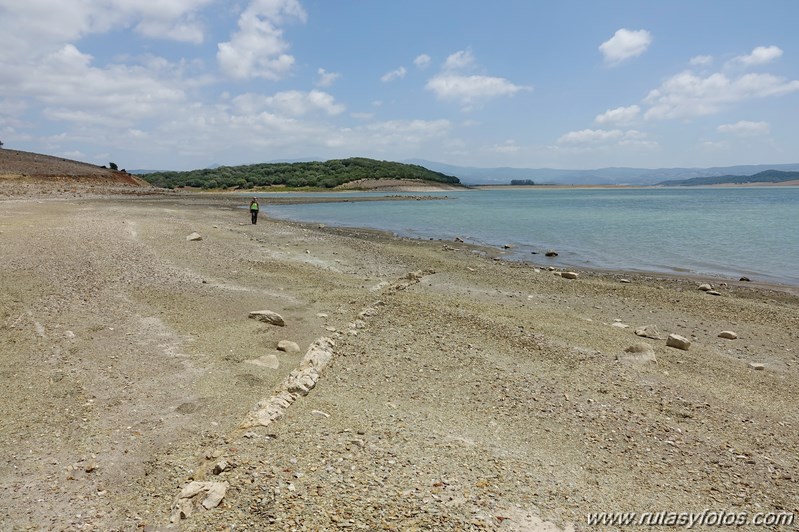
602, 176
768, 176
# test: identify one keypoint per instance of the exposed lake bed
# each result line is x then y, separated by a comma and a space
462, 391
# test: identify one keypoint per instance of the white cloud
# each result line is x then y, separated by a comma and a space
687, 94
460, 60
590, 136
595, 137
470, 89
619, 115
422, 60
625, 44
288, 103
745, 128
38, 26
701, 60
450, 84
394, 74
326, 78
759, 56
67, 85
257, 49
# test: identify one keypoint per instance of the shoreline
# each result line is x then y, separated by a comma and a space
461, 392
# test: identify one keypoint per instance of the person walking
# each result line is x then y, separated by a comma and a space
254, 211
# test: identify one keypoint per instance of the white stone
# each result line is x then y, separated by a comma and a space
648, 331
216, 492
729, 335
619, 325
757, 366
679, 342
705, 287
640, 353
569, 275
194, 237
267, 316
288, 346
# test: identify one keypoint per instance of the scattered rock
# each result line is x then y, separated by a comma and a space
267, 316
619, 325
640, 353
507, 246
648, 331
458, 239
221, 467
624, 280
705, 287
569, 275
551, 253
679, 342
194, 237
729, 335
288, 346
757, 366
747, 279
713, 293
213, 493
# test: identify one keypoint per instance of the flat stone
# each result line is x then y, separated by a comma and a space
679, 342
757, 366
624, 280
216, 492
639, 353
729, 335
267, 316
648, 331
713, 293
620, 325
746, 279
194, 237
288, 346
569, 275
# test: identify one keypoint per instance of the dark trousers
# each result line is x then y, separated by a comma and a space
254, 216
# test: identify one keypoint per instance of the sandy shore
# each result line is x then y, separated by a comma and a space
462, 393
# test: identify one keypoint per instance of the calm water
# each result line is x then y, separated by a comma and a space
725, 232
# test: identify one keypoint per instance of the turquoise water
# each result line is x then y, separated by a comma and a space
723, 232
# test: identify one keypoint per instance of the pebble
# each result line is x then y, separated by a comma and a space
730, 335
288, 346
194, 237
551, 253
758, 366
705, 287
679, 342
569, 275
713, 293
648, 331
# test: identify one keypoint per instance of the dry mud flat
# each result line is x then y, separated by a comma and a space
462, 392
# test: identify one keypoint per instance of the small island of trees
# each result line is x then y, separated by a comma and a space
316, 174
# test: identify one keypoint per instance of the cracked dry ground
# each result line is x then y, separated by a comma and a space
484, 396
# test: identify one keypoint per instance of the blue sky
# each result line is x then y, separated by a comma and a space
182, 84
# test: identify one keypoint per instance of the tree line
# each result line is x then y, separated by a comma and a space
316, 174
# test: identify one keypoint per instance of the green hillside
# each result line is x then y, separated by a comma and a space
328, 174
767, 176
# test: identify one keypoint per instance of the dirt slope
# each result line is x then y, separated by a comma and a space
27, 167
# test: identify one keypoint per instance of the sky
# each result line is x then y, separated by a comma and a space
185, 84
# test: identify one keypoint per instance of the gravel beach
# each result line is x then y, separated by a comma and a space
461, 392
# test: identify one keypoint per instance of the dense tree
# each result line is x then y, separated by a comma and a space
328, 174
